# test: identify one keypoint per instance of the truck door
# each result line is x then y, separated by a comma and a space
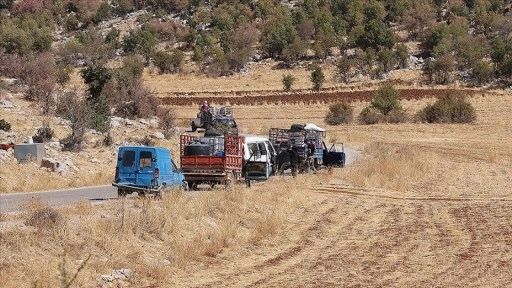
271, 155
176, 174
265, 157
127, 166
146, 167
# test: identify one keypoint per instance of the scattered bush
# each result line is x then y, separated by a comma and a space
169, 62
108, 141
385, 107
288, 80
369, 115
396, 116
4, 125
45, 218
450, 108
339, 113
44, 133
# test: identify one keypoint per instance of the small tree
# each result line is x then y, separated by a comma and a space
386, 99
75, 109
481, 72
339, 113
401, 54
343, 67
428, 70
317, 78
167, 118
288, 80
44, 133
443, 67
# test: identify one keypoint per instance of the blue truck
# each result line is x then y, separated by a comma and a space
146, 171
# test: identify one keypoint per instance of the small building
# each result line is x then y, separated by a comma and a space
26, 152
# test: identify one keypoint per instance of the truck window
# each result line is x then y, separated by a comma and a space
128, 159
253, 149
262, 147
145, 159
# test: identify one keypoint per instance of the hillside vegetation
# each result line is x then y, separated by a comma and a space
111, 46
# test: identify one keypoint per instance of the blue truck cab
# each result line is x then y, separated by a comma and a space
146, 170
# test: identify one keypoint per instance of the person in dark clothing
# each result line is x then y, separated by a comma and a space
283, 161
205, 108
310, 148
294, 160
310, 151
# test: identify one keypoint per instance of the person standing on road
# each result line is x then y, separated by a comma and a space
310, 151
294, 160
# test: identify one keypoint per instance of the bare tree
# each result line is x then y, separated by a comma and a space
74, 108
167, 120
39, 74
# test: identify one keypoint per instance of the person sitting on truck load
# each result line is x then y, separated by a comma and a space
205, 108
206, 115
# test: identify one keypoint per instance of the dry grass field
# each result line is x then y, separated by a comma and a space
425, 206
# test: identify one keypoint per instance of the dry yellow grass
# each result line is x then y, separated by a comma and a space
151, 237
425, 206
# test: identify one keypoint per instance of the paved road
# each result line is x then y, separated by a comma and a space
14, 201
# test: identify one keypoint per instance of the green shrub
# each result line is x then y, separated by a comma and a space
169, 62
4, 125
450, 108
339, 113
45, 133
369, 115
386, 99
288, 80
397, 115
317, 78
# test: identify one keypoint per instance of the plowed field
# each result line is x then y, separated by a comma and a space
374, 225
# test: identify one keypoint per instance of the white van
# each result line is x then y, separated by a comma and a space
259, 157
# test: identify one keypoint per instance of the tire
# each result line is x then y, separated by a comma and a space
192, 185
184, 186
231, 180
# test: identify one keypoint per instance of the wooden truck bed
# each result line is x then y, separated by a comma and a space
212, 168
